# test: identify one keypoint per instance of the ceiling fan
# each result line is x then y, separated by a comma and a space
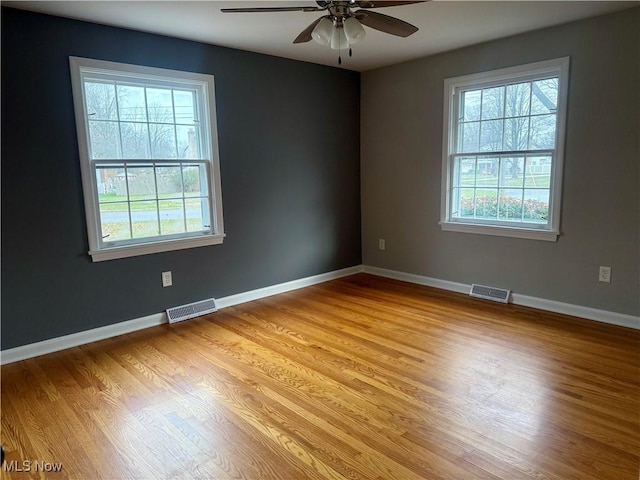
342, 26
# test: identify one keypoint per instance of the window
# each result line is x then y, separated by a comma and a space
149, 158
503, 148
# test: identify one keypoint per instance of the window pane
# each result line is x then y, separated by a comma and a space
185, 110
464, 171
131, 103
510, 205
545, 96
172, 216
106, 183
469, 136
144, 218
114, 182
493, 103
105, 140
169, 181
189, 141
160, 105
512, 171
163, 141
491, 135
142, 184
516, 133
487, 172
470, 105
538, 172
100, 99
114, 221
487, 203
536, 206
543, 132
463, 202
197, 214
135, 140
195, 181
517, 101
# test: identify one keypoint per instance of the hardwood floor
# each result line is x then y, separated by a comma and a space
359, 378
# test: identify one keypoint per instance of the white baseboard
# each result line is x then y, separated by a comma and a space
589, 313
285, 287
418, 279
605, 316
73, 340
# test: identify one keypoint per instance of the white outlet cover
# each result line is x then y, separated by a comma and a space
167, 280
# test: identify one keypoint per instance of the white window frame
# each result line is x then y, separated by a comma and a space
100, 250
548, 232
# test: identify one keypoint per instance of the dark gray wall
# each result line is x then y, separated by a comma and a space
290, 179
402, 108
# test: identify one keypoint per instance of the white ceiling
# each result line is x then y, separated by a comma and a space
444, 24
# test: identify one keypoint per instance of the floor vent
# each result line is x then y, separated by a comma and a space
490, 293
191, 310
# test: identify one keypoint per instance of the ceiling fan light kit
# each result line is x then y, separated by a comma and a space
353, 30
342, 28
322, 33
339, 39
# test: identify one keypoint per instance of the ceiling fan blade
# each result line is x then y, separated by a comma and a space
385, 23
270, 9
305, 35
381, 4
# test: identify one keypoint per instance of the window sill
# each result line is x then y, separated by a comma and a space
514, 232
113, 253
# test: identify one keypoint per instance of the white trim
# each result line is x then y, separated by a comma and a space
154, 247
514, 232
418, 279
613, 318
499, 76
75, 339
239, 298
605, 316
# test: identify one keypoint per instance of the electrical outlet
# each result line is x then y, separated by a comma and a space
381, 244
167, 281
605, 274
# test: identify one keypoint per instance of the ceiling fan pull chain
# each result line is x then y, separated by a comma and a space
350, 52
339, 50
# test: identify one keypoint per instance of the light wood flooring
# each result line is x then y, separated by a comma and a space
358, 378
